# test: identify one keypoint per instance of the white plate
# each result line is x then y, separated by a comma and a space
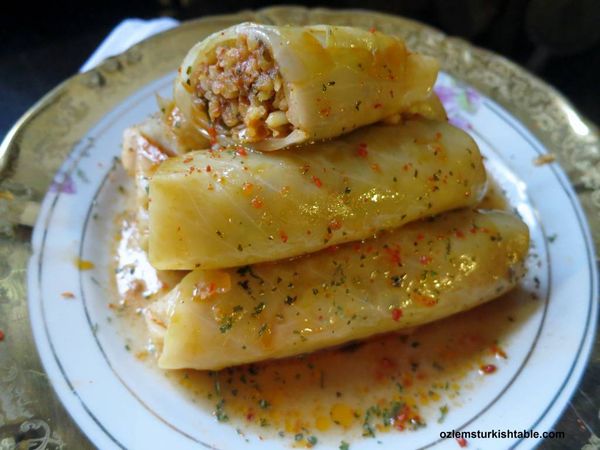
119, 402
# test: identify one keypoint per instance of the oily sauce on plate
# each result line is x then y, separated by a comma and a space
395, 382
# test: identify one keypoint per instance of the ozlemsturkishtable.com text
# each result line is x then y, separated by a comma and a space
502, 434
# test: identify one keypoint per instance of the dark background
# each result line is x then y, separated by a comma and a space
42, 44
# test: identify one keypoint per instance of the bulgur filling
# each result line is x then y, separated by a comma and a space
242, 91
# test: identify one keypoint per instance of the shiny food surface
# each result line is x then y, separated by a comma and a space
410, 276
215, 209
394, 382
335, 78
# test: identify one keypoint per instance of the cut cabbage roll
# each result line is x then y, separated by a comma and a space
236, 207
275, 86
146, 145
141, 154
175, 132
162, 136
407, 277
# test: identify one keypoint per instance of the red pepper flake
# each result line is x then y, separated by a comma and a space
333, 248
424, 260
67, 294
362, 150
372, 30
459, 234
325, 112
242, 151
208, 168
396, 314
394, 254
462, 442
247, 187
487, 369
472, 339
283, 236
1, 335
420, 237
385, 367
250, 416
400, 422
377, 105
317, 181
257, 202
387, 364
437, 149
406, 414
407, 167
438, 136
497, 351
203, 291
421, 376
213, 135
425, 300
376, 167
473, 230
187, 160
335, 224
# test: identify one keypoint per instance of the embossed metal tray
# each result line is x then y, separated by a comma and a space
38, 144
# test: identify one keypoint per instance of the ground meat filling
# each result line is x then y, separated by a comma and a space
242, 91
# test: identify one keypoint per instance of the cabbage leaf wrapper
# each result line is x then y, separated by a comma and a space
215, 209
416, 274
276, 86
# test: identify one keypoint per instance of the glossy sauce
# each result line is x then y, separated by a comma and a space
397, 382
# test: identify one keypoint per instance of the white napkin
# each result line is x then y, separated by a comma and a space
126, 34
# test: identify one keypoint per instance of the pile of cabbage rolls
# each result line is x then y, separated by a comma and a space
308, 186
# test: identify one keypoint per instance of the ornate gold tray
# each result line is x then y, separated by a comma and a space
30, 413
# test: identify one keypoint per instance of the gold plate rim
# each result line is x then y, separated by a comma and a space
36, 146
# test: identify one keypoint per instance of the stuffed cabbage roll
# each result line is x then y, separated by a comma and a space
146, 145
236, 207
275, 86
410, 276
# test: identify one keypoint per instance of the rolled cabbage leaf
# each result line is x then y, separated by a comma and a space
236, 207
416, 274
275, 86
